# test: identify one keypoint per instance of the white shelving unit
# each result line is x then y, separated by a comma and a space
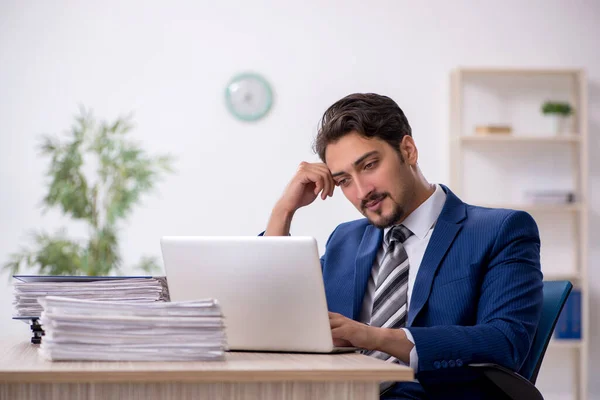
565, 138
494, 170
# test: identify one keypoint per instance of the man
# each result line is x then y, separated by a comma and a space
425, 279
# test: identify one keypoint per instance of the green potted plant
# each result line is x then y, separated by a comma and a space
560, 113
96, 176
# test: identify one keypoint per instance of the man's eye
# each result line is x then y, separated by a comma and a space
342, 182
370, 165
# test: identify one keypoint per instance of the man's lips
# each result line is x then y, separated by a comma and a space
373, 203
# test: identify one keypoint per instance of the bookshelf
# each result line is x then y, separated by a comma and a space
567, 138
496, 169
537, 208
566, 344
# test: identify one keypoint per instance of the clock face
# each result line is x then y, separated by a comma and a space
249, 97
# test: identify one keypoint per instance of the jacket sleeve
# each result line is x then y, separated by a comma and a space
324, 256
508, 310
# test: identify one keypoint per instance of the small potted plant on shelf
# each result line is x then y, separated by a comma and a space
560, 113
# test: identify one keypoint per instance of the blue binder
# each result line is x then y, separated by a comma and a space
569, 321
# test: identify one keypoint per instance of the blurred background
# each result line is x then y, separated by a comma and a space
170, 65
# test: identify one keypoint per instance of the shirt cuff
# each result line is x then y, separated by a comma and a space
414, 357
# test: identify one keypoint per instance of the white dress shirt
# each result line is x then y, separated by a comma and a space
421, 223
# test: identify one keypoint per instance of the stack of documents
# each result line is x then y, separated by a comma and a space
115, 331
28, 289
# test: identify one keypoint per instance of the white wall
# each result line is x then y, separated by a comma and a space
169, 62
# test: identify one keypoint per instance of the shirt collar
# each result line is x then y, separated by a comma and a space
424, 217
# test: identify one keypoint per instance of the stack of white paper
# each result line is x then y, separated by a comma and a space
28, 289
115, 331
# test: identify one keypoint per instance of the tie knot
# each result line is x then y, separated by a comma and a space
398, 233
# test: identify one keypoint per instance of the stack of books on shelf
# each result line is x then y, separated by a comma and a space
89, 330
28, 289
549, 197
493, 130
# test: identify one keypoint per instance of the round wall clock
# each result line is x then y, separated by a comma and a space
248, 96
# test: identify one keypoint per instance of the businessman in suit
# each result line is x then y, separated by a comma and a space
424, 279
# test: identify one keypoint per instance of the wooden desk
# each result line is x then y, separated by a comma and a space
25, 375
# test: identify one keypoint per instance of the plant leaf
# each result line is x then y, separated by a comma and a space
149, 265
124, 174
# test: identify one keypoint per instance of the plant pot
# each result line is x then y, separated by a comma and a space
560, 124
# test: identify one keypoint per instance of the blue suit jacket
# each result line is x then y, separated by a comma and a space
477, 296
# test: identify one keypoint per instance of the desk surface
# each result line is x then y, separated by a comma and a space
19, 362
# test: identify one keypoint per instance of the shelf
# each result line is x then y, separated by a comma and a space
481, 167
573, 277
519, 71
567, 138
565, 343
570, 207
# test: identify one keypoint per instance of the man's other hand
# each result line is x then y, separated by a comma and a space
305, 186
347, 332
303, 189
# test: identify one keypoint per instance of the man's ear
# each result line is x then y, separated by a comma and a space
409, 151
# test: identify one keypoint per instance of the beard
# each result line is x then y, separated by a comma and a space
384, 221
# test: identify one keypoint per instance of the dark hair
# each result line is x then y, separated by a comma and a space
368, 114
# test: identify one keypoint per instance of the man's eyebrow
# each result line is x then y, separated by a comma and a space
357, 162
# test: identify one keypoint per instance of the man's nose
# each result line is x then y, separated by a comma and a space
363, 190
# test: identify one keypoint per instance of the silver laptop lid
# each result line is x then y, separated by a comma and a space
270, 288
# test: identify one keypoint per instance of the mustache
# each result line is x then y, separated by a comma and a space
373, 197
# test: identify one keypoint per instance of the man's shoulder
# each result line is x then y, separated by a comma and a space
498, 218
349, 235
477, 215
350, 231
488, 213
357, 224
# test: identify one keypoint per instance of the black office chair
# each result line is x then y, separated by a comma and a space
521, 385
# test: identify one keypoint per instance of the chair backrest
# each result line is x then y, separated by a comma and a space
555, 296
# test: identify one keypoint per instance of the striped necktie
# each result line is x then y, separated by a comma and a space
390, 298
390, 306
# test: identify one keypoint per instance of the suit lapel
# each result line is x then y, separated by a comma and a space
367, 251
446, 228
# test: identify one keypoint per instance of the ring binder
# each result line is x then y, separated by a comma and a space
37, 330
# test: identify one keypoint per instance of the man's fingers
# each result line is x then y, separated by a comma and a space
328, 178
339, 333
341, 343
336, 320
326, 188
318, 171
335, 323
318, 186
324, 184
314, 177
331, 184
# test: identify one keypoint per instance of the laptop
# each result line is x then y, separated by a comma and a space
270, 288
